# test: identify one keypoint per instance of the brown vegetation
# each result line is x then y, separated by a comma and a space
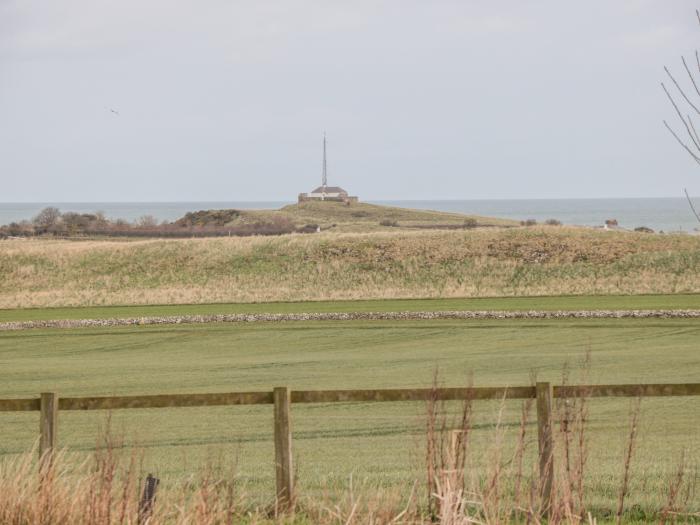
212, 223
305, 217
465, 483
463, 263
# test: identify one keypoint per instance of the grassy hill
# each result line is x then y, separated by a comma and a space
334, 266
341, 217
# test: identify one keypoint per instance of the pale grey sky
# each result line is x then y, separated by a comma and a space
228, 100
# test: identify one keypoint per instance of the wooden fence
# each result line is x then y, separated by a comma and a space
50, 404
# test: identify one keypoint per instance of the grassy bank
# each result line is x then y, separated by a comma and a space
425, 264
380, 444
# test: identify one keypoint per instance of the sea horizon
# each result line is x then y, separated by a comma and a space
659, 213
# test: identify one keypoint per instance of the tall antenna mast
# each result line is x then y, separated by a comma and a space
324, 177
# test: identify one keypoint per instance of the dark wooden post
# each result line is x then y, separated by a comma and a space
148, 498
48, 423
284, 473
546, 443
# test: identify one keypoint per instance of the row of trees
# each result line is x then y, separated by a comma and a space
52, 222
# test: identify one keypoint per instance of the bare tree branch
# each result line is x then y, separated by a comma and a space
697, 159
691, 204
692, 126
692, 147
680, 116
680, 90
692, 78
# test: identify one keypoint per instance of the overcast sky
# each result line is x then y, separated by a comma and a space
228, 100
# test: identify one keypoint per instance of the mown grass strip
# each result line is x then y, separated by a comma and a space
583, 302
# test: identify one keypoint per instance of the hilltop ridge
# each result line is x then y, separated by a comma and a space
357, 216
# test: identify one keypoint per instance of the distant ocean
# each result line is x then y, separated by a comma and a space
667, 214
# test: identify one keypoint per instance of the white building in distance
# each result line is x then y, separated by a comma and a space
325, 192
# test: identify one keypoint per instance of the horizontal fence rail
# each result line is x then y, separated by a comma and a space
50, 404
339, 396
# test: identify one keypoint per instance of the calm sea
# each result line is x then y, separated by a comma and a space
667, 214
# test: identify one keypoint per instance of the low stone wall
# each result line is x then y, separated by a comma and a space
354, 316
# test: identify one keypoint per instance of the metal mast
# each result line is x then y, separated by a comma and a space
324, 177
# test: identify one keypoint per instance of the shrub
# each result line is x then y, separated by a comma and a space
308, 228
208, 218
17, 229
46, 218
388, 222
552, 222
643, 229
147, 221
78, 222
528, 222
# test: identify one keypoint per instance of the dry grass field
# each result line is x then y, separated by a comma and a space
480, 262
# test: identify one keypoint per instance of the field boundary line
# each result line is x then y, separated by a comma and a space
376, 395
353, 316
49, 404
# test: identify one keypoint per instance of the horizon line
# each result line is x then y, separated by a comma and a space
369, 201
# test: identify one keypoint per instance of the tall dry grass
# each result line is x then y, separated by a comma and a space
465, 482
491, 262
501, 484
107, 488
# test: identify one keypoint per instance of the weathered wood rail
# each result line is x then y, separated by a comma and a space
50, 404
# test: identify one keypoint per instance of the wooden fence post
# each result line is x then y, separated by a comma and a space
546, 443
148, 499
284, 473
48, 423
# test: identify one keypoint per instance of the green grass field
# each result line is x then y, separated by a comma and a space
379, 443
580, 302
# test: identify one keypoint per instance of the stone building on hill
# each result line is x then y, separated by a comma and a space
325, 192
